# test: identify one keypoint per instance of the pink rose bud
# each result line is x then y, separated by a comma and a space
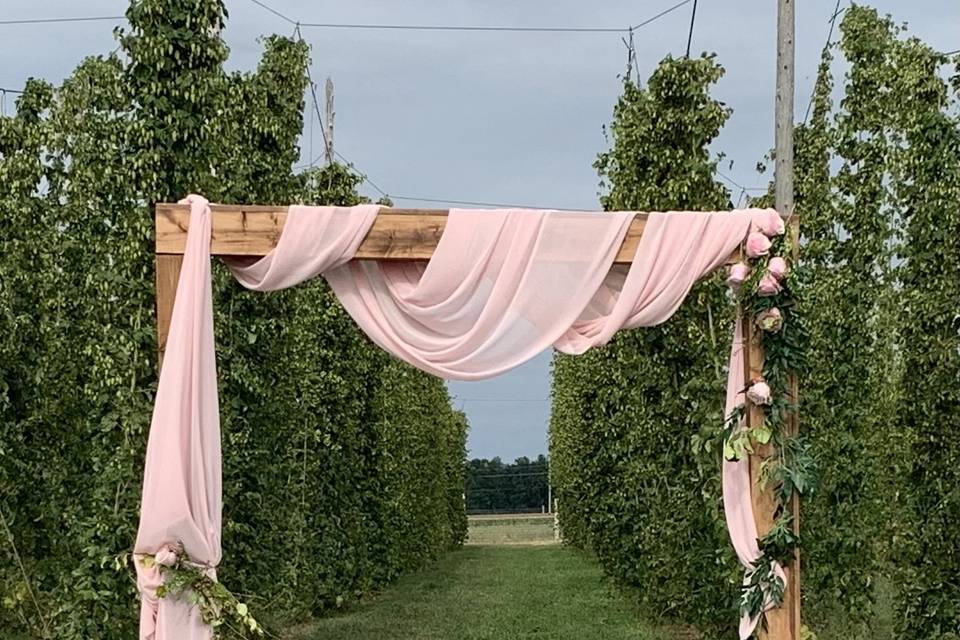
737, 275
768, 285
759, 393
166, 556
770, 223
770, 320
777, 267
757, 245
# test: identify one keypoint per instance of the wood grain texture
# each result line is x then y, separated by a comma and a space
167, 277
397, 234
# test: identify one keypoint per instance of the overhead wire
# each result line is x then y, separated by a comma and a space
419, 27
693, 18
274, 11
661, 14
58, 20
475, 203
449, 27
833, 22
737, 184
366, 178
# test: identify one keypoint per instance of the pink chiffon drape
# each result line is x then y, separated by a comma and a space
502, 286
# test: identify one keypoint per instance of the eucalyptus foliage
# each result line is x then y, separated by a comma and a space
342, 467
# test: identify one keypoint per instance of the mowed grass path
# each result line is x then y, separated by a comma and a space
493, 593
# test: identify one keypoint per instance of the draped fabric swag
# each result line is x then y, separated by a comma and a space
502, 286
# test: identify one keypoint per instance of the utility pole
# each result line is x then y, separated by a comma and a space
328, 139
783, 165
783, 623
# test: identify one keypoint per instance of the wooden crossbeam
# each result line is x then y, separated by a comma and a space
253, 230
397, 234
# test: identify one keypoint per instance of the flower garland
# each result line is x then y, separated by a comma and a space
191, 580
764, 285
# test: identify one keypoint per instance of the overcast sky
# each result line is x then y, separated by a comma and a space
500, 117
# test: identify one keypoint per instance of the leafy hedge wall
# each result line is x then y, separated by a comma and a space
342, 467
627, 482
878, 192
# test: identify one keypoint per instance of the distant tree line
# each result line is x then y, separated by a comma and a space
493, 486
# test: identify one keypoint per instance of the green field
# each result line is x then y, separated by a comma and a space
545, 592
511, 530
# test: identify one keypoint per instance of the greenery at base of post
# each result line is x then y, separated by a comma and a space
187, 580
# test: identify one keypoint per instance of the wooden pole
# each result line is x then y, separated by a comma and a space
782, 623
783, 163
329, 114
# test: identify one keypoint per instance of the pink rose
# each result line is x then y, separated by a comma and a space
770, 320
768, 285
737, 275
166, 556
757, 245
759, 393
777, 267
770, 223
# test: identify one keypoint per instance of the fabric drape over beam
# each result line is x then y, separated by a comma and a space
501, 286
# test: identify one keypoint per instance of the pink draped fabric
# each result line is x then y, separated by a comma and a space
182, 495
502, 286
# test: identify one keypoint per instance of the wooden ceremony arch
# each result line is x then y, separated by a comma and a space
413, 234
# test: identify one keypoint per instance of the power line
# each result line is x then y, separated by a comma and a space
449, 27
56, 20
274, 11
473, 28
661, 14
833, 22
298, 24
316, 108
737, 184
693, 18
475, 203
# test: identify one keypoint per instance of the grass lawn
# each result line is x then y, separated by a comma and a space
544, 592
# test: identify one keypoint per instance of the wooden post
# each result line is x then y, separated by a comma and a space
783, 177
780, 622
328, 109
783, 623
167, 276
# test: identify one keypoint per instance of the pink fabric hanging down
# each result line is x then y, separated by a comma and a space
181, 480
502, 286
737, 504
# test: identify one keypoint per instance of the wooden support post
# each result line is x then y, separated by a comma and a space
167, 277
783, 623
780, 623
